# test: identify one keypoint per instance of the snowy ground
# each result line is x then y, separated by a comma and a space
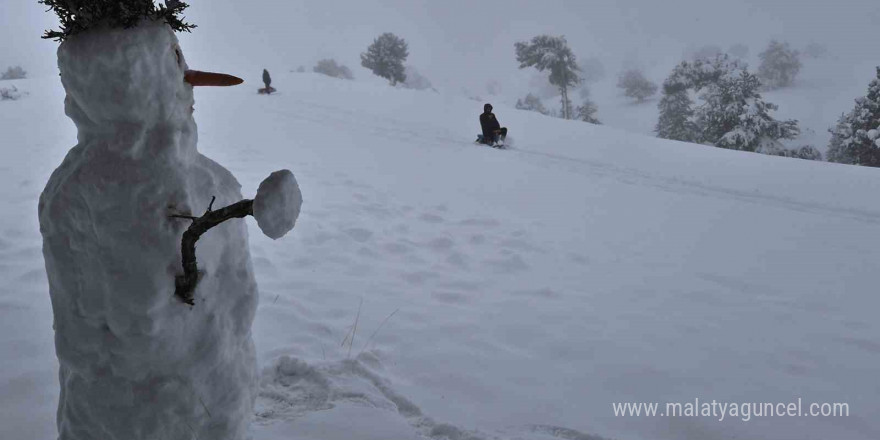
527, 289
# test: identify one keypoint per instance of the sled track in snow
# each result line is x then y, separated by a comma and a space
390, 128
637, 177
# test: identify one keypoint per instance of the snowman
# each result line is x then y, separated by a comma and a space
153, 334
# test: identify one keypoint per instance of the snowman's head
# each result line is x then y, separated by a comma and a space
134, 77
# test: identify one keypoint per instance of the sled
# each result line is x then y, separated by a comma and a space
498, 144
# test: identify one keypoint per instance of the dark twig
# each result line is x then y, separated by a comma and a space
185, 285
355, 329
183, 216
377, 331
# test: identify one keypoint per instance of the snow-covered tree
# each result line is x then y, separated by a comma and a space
676, 111
806, 152
79, 15
734, 115
587, 112
675, 115
531, 103
14, 72
635, 85
780, 64
552, 54
856, 138
415, 80
333, 69
385, 57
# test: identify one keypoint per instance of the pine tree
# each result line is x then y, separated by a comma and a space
545, 52
81, 15
779, 65
735, 116
732, 114
587, 112
856, 138
385, 57
806, 152
675, 115
635, 85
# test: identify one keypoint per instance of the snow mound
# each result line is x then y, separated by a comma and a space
293, 392
10, 94
277, 204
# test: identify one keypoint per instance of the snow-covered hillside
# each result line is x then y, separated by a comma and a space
498, 294
822, 91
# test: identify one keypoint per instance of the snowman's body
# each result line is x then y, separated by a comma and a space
135, 362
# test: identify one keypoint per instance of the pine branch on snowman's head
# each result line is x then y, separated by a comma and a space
78, 16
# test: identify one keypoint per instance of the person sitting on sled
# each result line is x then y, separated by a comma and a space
493, 132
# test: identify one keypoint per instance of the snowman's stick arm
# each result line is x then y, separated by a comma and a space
186, 283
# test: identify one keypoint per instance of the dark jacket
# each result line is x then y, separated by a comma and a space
489, 124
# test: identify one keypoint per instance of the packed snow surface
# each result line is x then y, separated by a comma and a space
509, 294
277, 204
135, 361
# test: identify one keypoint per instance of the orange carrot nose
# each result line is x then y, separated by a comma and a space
198, 78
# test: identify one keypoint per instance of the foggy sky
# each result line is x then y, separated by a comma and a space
458, 43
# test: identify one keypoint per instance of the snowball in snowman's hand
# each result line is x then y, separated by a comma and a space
277, 204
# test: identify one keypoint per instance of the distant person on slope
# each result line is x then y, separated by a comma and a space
493, 132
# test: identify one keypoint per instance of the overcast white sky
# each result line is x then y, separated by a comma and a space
466, 42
